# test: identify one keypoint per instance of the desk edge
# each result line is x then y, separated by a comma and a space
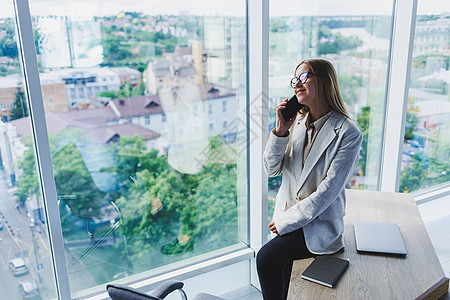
436, 291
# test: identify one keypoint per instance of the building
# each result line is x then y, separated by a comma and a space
129, 75
84, 84
164, 72
53, 94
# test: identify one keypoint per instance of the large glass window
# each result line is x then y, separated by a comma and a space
426, 148
356, 39
25, 256
134, 198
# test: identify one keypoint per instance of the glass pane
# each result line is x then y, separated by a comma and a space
355, 38
145, 107
426, 148
26, 260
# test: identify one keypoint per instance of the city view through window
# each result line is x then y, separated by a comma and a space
146, 114
426, 149
358, 46
147, 131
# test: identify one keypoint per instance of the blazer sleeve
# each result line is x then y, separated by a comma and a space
274, 153
331, 186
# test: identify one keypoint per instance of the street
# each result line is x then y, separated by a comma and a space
19, 238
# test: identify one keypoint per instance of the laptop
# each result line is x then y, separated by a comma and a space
379, 237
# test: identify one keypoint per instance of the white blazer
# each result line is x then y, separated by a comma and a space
312, 196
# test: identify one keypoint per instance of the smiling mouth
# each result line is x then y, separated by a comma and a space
302, 90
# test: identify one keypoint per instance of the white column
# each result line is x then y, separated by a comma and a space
258, 66
42, 148
398, 86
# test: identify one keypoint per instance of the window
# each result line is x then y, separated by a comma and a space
133, 201
23, 220
426, 148
81, 92
143, 196
356, 40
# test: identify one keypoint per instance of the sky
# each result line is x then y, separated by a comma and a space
218, 7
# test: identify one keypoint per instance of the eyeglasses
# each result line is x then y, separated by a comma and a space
302, 79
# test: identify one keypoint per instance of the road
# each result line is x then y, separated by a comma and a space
19, 239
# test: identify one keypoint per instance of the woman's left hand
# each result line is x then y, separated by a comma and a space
273, 228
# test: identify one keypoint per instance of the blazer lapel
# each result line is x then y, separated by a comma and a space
325, 136
298, 142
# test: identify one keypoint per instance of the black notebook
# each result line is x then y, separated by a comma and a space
325, 270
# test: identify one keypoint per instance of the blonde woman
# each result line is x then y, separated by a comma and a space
316, 151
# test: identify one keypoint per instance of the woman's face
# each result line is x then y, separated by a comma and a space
306, 92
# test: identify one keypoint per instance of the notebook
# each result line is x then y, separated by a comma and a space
379, 237
325, 270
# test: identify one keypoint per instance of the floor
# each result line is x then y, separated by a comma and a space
435, 215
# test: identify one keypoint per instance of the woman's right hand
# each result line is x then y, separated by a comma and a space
282, 126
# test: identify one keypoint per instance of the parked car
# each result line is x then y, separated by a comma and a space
17, 266
29, 289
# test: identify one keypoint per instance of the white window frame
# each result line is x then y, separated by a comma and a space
398, 88
42, 148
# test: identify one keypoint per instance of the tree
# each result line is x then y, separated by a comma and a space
335, 43
412, 177
410, 126
157, 203
20, 107
363, 122
116, 49
8, 47
74, 183
27, 184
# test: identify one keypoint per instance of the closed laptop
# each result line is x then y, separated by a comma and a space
380, 237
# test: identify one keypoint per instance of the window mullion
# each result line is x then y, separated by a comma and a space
400, 66
258, 83
42, 148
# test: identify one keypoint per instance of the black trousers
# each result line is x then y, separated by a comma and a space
274, 263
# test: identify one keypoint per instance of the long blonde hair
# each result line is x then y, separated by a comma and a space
327, 85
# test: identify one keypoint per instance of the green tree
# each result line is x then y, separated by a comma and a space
20, 108
116, 48
8, 47
201, 204
412, 176
108, 94
410, 127
363, 122
74, 183
27, 184
337, 43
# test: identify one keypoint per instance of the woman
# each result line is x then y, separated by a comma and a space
317, 152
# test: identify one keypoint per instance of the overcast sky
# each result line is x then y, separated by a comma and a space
219, 7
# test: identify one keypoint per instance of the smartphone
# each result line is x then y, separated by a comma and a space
292, 107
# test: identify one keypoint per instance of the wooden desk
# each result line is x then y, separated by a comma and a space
419, 275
